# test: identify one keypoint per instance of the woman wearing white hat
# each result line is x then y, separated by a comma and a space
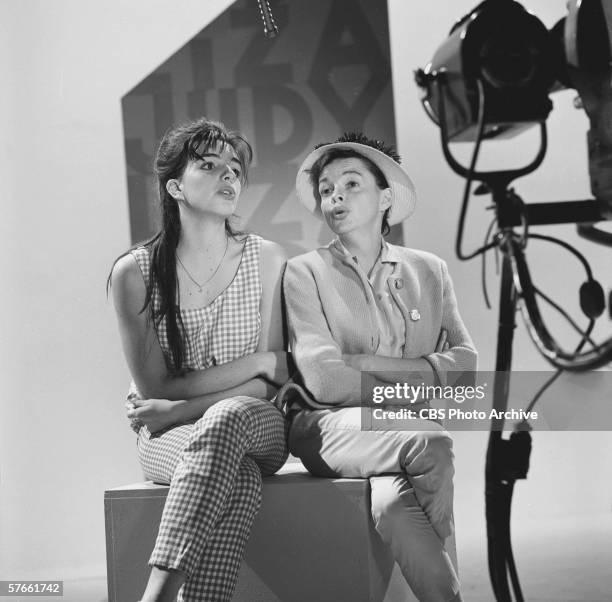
361, 305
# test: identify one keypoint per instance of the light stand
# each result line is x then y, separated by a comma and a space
508, 459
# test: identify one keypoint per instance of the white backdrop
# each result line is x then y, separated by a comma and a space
65, 66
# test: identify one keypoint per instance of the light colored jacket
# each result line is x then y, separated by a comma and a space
330, 312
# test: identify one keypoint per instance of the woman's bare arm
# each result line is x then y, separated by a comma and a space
158, 414
144, 355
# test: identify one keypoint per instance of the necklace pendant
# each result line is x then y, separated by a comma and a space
198, 285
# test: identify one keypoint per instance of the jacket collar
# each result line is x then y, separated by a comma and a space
388, 252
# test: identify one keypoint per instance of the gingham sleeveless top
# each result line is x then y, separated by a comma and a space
227, 328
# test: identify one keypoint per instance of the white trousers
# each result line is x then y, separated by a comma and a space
411, 477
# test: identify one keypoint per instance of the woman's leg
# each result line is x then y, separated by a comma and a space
332, 443
215, 577
205, 472
419, 552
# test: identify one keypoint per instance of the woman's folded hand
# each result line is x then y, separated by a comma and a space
155, 414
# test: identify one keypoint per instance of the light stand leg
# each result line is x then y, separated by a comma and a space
495, 489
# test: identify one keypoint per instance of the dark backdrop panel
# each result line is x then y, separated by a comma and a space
327, 72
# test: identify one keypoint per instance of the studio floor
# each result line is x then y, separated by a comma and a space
561, 560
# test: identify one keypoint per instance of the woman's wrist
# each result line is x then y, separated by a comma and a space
177, 409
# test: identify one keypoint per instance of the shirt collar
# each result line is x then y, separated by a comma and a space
388, 252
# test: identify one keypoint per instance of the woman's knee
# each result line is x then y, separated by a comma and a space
228, 415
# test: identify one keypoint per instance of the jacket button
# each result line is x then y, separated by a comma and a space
399, 283
415, 315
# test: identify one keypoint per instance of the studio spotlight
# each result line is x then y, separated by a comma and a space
505, 48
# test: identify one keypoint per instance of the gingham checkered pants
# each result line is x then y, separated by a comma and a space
214, 468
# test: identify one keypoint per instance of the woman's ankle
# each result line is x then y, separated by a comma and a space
163, 585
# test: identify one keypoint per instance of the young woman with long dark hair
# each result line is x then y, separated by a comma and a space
201, 327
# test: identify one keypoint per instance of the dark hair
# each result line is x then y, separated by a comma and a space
179, 145
314, 173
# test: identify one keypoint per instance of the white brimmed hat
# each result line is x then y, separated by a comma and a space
402, 188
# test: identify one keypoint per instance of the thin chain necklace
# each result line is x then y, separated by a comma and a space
211, 276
